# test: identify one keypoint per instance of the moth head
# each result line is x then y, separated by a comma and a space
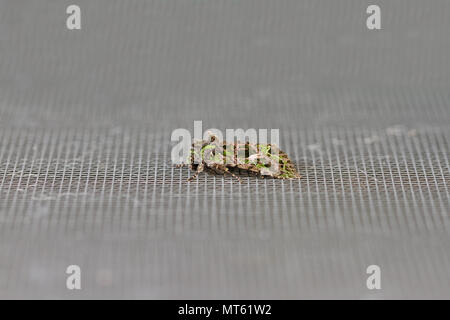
212, 137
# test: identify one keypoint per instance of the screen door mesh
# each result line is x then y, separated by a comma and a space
86, 177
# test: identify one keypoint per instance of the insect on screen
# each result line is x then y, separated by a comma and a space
87, 180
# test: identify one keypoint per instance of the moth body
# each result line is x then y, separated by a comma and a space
239, 159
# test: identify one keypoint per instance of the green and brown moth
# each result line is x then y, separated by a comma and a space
220, 157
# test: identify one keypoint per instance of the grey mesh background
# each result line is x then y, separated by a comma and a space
85, 170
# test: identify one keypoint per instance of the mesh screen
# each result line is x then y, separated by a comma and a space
85, 171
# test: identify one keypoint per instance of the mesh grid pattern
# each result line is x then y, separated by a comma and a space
371, 175
85, 171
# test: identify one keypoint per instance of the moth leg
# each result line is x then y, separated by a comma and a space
199, 170
225, 170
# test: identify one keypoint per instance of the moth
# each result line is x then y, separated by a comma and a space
239, 159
